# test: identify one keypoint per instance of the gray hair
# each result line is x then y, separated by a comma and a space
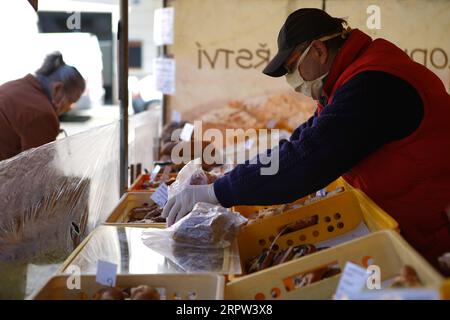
55, 69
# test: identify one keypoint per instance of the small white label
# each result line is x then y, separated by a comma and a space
352, 281
106, 273
155, 172
176, 116
187, 131
160, 195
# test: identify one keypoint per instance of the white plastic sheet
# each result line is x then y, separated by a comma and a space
51, 197
144, 132
203, 241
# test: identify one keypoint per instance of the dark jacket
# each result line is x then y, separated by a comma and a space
372, 109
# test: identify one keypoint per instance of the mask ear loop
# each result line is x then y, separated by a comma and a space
344, 34
332, 36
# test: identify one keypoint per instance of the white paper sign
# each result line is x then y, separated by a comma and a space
163, 26
353, 280
176, 116
160, 195
187, 131
164, 72
155, 172
106, 273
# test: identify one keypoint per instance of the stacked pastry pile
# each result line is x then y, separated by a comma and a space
284, 111
146, 214
273, 211
275, 256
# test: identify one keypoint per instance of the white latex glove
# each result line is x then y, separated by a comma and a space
183, 203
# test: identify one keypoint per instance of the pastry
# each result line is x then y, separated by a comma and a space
144, 292
109, 294
444, 263
166, 135
145, 212
271, 257
407, 278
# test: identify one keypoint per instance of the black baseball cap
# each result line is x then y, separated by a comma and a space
302, 25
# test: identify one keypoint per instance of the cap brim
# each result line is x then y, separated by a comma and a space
275, 68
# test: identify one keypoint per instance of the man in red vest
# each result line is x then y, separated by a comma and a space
382, 122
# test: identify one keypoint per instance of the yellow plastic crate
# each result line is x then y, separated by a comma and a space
246, 211
385, 248
337, 215
445, 290
202, 286
131, 200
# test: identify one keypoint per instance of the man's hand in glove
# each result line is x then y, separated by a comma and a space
183, 203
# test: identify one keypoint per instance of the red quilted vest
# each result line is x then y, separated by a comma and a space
408, 178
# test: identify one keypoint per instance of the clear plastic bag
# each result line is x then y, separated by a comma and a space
184, 177
193, 174
204, 240
52, 197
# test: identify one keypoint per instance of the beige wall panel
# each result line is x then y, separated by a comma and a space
419, 26
211, 25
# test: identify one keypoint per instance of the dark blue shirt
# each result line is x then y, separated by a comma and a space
370, 110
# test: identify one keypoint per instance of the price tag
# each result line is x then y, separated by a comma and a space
160, 195
176, 117
353, 280
187, 131
106, 273
155, 172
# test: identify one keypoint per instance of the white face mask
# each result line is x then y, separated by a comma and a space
312, 88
